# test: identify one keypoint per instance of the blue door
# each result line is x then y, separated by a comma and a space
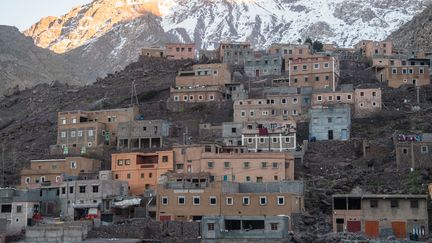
344, 134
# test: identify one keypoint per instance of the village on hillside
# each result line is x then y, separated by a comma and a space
242, 179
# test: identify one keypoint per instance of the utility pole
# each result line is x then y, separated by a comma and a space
3, 166
418, 94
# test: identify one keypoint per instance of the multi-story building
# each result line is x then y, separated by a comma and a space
193, 197
205, 83
370, 48
153, 52
141, 170
269, 135
280, 103
381, 215
141, 134
79, 131
363, 101
317, 71
80, 198
198, 94
53, 171
400, 72
263, 64
413, 151
234, 163
17, 208
234, 52
330, 123
178, 51
291, 51
266, 228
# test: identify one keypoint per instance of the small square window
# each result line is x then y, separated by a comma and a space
164, 200
374, 203
229, 201
280, 200
82, 189
210, 227
212, 200
246, 201
263, 200
95, 188
414, 203
394, 203
196, 200
210, 165
227, 165
274, 226
181, 200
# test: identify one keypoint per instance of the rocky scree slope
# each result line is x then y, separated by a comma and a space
23, 65
416, 34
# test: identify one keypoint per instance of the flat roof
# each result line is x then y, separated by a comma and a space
383, 196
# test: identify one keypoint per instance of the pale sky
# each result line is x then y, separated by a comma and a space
24, 13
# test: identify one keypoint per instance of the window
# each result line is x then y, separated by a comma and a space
374, 94
243, 113
212, 200
283, 101
80, 133
329, 119
280, 200
6, 208
294, 100
210, 227
330, 98
185, 97
248, 179
150, 175
338, 98
421, 70
246, 200
317, 78
374, 203
142, 175
227, 165
287, 140
128, 175
82, 189
176, 98
229, 201
28, 180
274, 226
19, 208
424, 149
63, 190
164, 159
120, 162
73, 164
63, 134
326, 65
305, 67
250, 140
319, 98
74, 120
349, 97
263, 200
394, 70
362, 94
275, 165
42, 178
252, 113
95, 188
275, 140
196, 200
71, 189
295, 68
164, 200
127, 161
233, 130
263, 165
316, 66
211, 97
210, 165
90, 133
374, 104
246, 165
58, 179
394, 203
63, 121
181, 200
414, 203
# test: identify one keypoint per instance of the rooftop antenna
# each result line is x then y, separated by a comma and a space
134, 94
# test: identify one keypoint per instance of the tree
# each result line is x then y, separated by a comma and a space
317, 46
308, 41
299, 41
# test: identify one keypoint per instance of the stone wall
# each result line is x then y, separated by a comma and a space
61, 233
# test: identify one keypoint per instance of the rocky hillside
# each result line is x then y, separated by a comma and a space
23, 65
207, 22
416, 34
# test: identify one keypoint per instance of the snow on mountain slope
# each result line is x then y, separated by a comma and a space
263, 22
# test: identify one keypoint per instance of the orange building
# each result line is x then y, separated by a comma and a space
371, 48
141, 170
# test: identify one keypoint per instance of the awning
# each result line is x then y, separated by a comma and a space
126, 203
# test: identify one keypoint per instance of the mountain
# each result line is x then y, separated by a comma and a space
23, 65
261, 22
416, 34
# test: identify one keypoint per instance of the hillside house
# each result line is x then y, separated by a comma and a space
330, 123
413, 151
381, 215
193, 197
142, 134
263, 64
180, 51
234, 52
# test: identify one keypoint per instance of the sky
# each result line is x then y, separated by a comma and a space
24, 13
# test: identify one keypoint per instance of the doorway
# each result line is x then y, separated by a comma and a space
257, 73
330, 134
